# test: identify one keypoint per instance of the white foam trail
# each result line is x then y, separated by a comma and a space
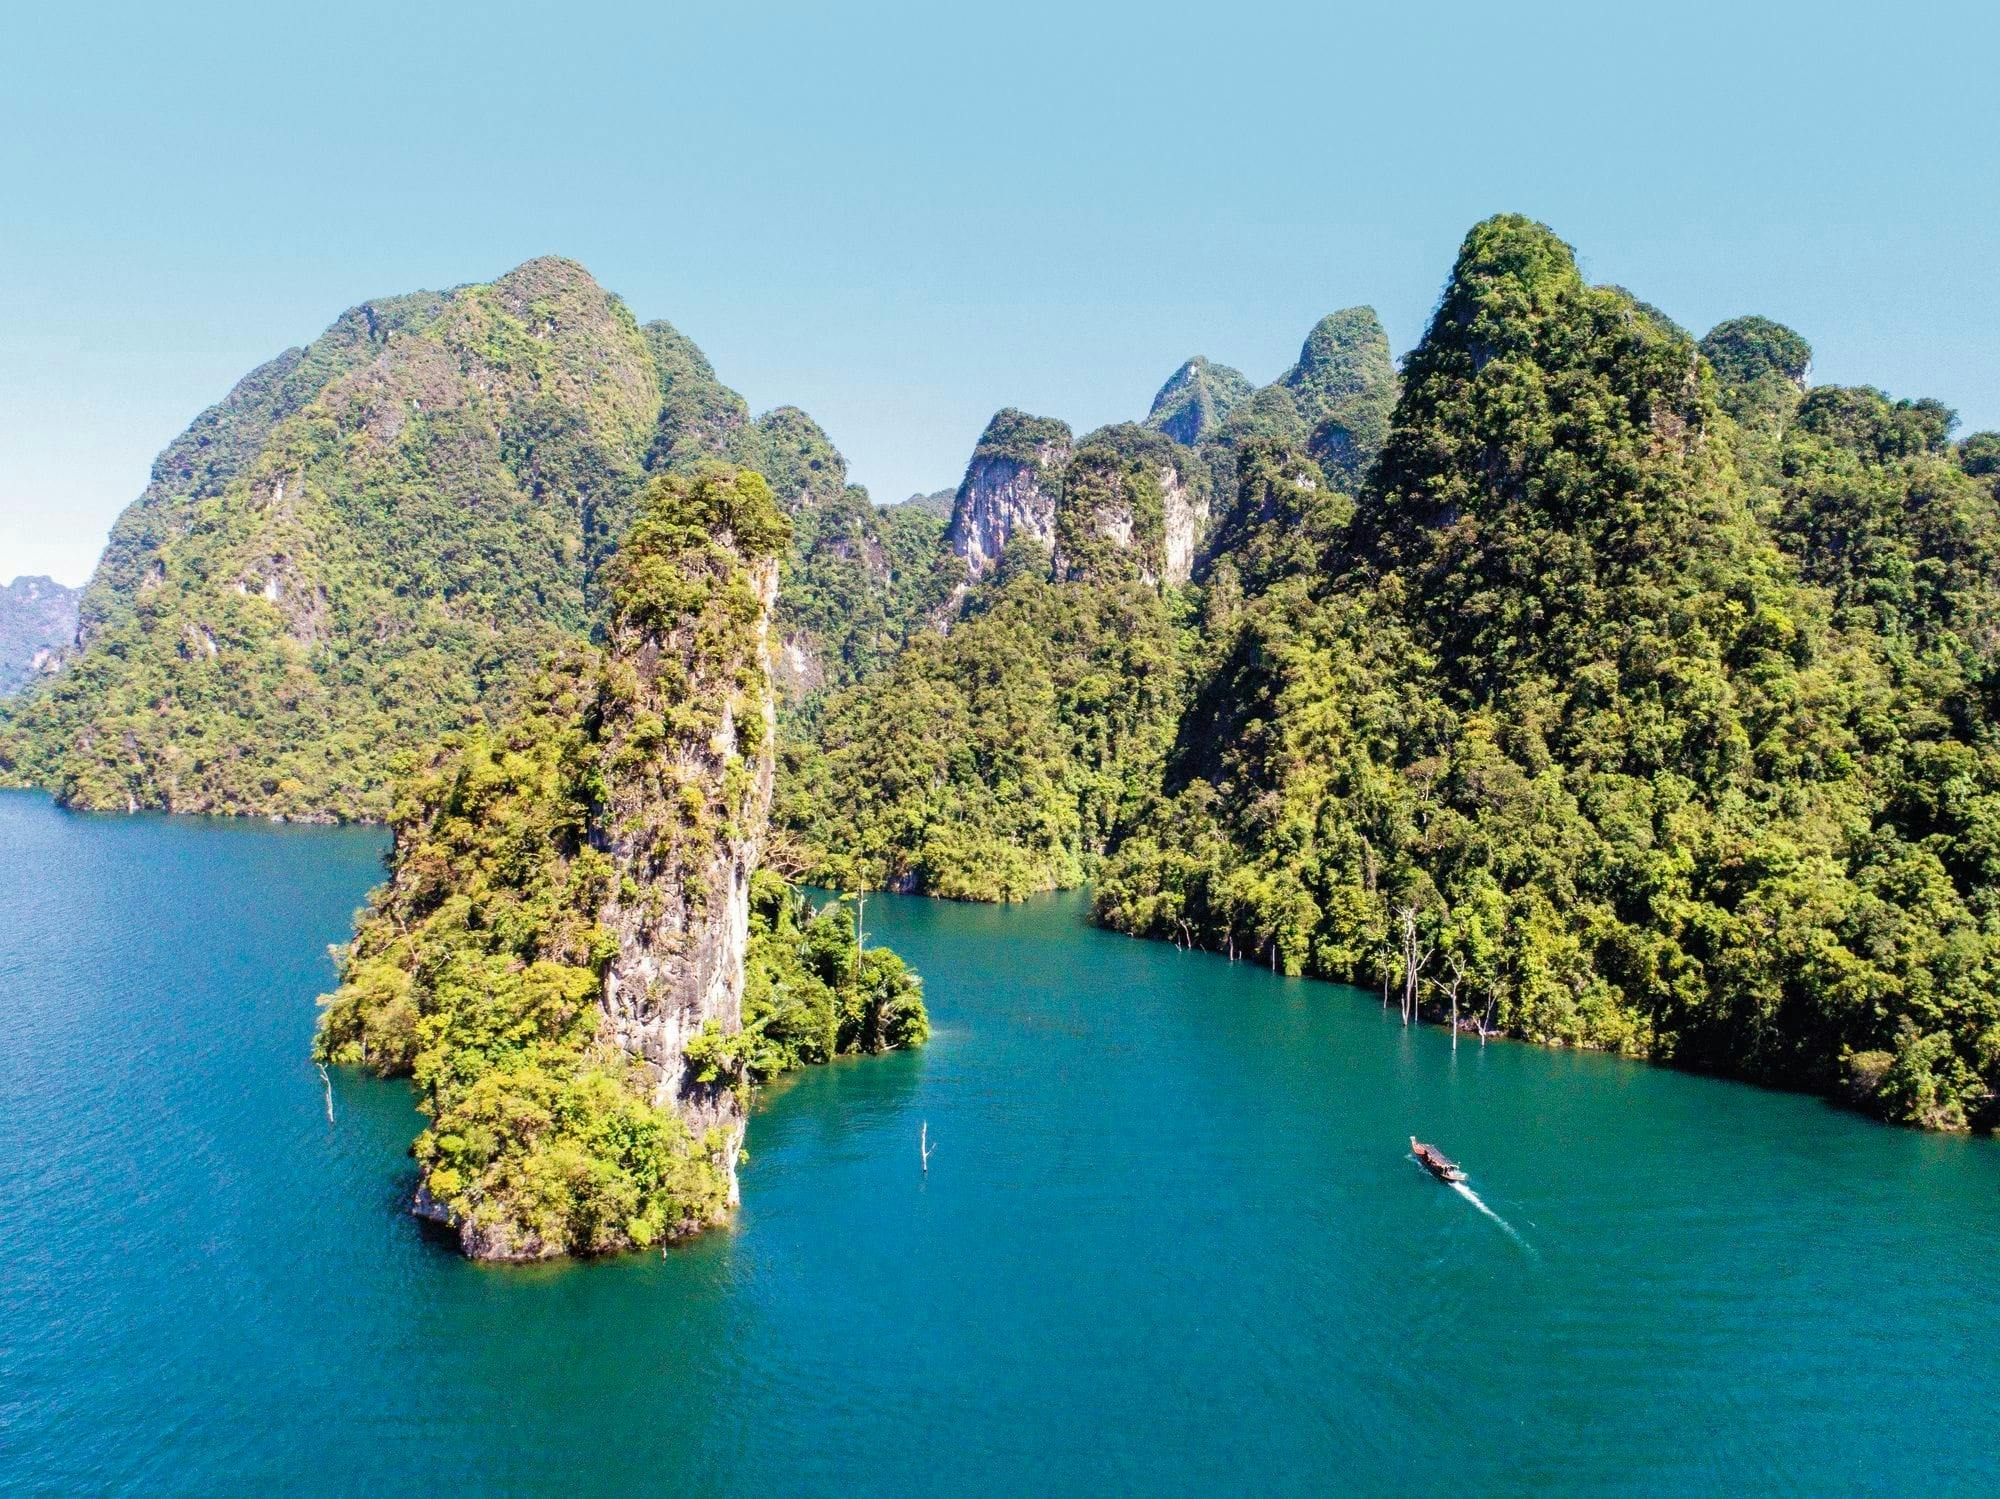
1479, 1202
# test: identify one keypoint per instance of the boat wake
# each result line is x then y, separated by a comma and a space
1479, 1202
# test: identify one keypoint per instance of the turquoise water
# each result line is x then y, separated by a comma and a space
1170, 1241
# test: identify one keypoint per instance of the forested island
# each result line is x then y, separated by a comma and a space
577, 957
1578, 680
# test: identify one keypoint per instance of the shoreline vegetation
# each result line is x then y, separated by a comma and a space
1601, 685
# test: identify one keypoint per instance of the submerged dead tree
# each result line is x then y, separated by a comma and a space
1457, 965
1416, 958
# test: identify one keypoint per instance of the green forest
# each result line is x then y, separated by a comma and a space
378, 538
1639, 699
1574, 679
1613, 690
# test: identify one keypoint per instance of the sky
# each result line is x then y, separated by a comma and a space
903, 217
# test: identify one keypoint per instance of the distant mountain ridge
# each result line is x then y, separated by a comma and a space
1334, 403
37, 621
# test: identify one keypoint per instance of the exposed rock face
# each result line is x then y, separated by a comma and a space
1187, 514
37, 620
568, 907
1125, 501
1134, 503
798, 666
1010, 488
681, 909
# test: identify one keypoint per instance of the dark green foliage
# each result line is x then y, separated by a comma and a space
937, 503
1746, 352
223, 442
1334, 404
1554, 705
477, 968
1018, 436
1979, 455
1549, 456
862, 578
1760, 371
1863, 419
476, 971
788, 448
1269, 415
385, 535
1111, 522
699, 415
1876, 507
1283, 518
372, 540
990, 763
1345, 386
1196, 399
859, 579
811, 993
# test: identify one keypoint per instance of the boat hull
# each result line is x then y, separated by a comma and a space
1435, 1162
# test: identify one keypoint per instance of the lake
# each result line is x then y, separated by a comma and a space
1171, 1240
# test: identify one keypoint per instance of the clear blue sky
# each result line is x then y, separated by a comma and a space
906, 216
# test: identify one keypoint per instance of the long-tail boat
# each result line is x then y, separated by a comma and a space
1434, 1161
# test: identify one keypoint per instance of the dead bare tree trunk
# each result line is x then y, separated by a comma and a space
860, 932
1416, 957
924, 1146
1457, 978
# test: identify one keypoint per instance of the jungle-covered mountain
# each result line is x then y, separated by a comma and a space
374, 539
1612, 690
1582, 681
1641, 698
997, 758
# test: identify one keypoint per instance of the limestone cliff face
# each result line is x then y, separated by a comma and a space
1010, 488
1187, 514
568, 907
1133, 504
680, 909
685, 812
